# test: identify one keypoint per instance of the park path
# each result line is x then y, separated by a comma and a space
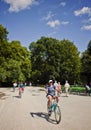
29, 112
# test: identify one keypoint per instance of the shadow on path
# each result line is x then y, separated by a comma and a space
17, 97
43, 115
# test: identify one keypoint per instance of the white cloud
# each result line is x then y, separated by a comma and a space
17, 5
53, 23
63, 4
49, 16
86, 27
84, 10
65, 22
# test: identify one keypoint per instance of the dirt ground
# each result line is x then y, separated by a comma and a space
30, 112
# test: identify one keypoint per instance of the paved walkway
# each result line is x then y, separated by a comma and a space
29, 112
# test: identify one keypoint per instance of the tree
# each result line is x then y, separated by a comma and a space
86, 64
3, 33
89, 47
22, 56
15, 64
43, 58
53, 59
70, 64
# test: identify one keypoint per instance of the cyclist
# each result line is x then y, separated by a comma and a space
21, 87
51, 94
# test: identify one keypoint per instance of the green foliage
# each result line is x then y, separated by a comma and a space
86, 64
57, 60
3, 33
89, 47
48, 58
15, 64
70, 61
77, 89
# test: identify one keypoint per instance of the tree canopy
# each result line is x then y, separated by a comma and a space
15, 64
47, 58
86, 64
54, 59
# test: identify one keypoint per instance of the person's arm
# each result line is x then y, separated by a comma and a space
46, 89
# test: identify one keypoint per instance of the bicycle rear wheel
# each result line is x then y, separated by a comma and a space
57, 113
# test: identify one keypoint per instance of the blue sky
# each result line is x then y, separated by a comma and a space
29, 20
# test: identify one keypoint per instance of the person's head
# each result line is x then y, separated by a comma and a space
50, 82
66, 81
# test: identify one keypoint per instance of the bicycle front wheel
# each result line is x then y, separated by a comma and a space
57, 113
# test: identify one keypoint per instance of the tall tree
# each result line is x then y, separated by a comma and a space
70, 64
53, 59
15, 61
44, 57
86, 64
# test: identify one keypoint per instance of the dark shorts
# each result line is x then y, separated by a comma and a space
50, 95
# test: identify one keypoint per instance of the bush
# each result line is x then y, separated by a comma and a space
79, 89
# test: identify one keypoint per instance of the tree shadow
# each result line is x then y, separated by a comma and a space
43, 115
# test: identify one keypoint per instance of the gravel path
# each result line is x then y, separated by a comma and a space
29, 112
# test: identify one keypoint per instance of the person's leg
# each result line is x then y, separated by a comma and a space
57, 99
13, 88
66, 91
49, 100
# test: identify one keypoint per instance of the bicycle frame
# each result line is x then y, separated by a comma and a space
56, 109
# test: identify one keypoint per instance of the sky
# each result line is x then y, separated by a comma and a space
28, 20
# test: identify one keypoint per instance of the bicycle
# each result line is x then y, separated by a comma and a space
56, 110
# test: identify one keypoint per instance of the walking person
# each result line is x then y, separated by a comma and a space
59, 91
14, 86
67, 86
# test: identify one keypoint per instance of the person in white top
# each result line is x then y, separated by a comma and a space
67, 86
55, 83
14, 86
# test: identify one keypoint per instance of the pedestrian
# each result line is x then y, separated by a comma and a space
88, 90
59, 91
67, 86
55, 83
14, 86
